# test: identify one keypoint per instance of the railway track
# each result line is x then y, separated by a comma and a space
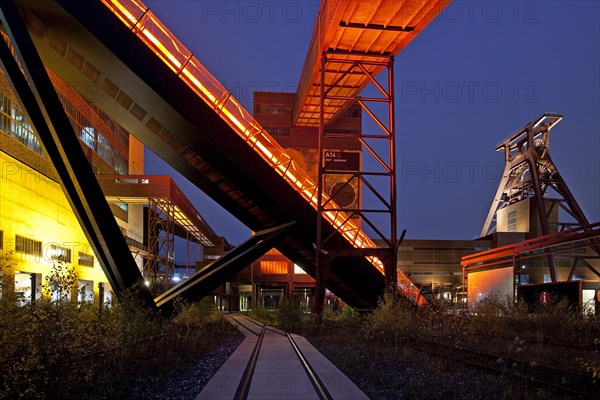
505, 362
272, 342
574, 385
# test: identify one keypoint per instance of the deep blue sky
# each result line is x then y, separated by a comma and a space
475, 75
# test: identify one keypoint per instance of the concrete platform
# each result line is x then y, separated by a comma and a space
279, 373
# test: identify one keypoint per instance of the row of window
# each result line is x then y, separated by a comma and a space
512, 221
13, 122
278, 267
278, 130
354, 132
54, 252
469, 249
274, 109
285, 131
440, 262
93, 138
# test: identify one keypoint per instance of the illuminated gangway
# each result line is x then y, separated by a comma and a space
366, 32
155, 35
184, 115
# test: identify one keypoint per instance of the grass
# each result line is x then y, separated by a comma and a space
377, 351
67, 350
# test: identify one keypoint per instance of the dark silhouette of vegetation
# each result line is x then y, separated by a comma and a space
380, 350
57, 348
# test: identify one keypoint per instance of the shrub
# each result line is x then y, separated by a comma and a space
290, 318
64, 350
392, 316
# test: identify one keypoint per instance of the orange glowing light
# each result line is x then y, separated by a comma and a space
156, 36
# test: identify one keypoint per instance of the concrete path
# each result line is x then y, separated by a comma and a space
279, 374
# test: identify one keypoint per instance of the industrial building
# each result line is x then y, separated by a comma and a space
38, 227
300, 162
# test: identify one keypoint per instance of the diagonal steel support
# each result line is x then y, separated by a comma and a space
60, 143
210, 277
528, 174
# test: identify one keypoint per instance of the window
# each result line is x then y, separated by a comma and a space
22, 130
88, 137
512, 221
278, 130
85, 260
58, 253
298, 270
28, 246
13, 121
1, 240
274, 267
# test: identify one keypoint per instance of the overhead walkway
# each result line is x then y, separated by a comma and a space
368, 32
154, 87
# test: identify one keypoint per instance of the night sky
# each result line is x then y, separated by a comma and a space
475, 75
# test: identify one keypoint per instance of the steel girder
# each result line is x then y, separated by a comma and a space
210, 277
528, 173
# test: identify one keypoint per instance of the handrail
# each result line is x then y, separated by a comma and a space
148, 28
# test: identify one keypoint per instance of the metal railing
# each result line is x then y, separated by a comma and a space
148, 28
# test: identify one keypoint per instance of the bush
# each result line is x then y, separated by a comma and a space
290, 318
392, 316
64, 350
263, 314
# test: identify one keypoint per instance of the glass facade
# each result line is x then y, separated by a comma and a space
14, 122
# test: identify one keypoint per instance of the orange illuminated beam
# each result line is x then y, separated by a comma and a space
148, 28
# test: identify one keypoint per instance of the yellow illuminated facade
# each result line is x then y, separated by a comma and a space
37, 226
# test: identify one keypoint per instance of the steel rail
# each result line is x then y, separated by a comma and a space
310, 372
244, 387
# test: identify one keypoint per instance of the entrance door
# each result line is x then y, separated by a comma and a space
272, 298
245, 301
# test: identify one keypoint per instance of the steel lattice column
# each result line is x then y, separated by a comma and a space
161, 245
382, 164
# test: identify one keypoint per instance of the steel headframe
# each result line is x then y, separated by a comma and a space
528, 174
384, 165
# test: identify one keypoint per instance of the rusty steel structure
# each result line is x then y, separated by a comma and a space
384, 166
160, 262
352, 44
564, 244
530, 174
186, 116
168, 214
